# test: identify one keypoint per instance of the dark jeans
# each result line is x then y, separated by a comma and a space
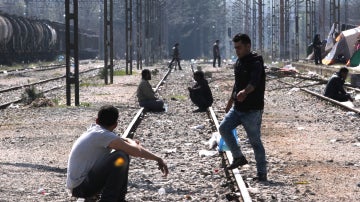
317, 54
177, 60
200, 101
106, 178
219, 61
153, 105
341, 97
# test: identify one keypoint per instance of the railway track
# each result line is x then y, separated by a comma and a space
39, 68
305, 89
139, 116
4, 105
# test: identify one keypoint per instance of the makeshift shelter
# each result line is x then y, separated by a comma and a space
355, 59
344, 46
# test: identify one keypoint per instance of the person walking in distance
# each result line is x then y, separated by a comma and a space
245, 107
176, 56
216, 53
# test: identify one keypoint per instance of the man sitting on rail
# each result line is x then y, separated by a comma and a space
335, 86
200, 93
94, 168
146, 94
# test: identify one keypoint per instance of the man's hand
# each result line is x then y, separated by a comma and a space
229, 105
163, 167
241, 96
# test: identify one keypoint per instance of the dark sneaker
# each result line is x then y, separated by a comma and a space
199, 110
238, 162
262, 177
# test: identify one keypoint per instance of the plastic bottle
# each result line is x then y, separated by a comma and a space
162, 191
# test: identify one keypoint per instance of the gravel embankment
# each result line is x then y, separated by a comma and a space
312, 147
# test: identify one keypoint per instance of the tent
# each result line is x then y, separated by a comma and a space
344, 46
355, 59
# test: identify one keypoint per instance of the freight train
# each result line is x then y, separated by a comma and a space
26, 40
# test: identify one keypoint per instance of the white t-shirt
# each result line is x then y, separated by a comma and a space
91, 147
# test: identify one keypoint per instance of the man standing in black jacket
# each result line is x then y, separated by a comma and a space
246, 105
176, 56
317, 44
216, 53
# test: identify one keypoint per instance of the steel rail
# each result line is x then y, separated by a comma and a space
5, 105
239, 180
129, 132
324, 98
43, 81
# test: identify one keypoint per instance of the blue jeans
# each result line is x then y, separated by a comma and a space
251, 121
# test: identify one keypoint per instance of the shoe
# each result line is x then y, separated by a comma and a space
199, 110
261, 177
238, 162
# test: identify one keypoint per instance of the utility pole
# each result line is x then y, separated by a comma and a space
72, 49
287, 30
274, 30
297, 47
128, 37
335, 12
139, 38
282, 29
261, 26
108, 41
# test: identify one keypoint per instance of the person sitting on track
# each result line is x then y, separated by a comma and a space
94, 168
200, 93
146, 94
335, 86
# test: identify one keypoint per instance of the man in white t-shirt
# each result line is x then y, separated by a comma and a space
93, 168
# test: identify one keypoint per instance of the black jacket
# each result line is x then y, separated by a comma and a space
201, 88
335, 89
250, 70
216, 50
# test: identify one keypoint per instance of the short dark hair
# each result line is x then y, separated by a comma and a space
108, 115
343, 70
144, 73
243, 38
199, 74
